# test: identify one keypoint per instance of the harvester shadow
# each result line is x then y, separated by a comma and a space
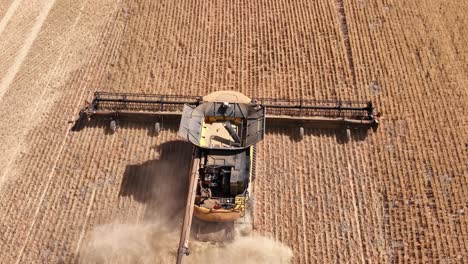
337, 133
161, 184
104, 124
172, 125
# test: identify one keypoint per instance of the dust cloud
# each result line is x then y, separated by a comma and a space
152, 243
249, 249
156, 239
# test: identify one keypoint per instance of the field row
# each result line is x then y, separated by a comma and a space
395, 195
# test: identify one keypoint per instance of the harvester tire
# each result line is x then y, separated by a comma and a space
157, 127
348, 134
113, 126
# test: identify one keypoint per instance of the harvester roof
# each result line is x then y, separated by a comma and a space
223, 124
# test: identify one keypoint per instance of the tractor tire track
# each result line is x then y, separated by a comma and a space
9, 14
23, 52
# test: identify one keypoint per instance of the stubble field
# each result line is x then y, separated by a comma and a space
391, 196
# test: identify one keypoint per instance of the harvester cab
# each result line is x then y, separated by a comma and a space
223, 123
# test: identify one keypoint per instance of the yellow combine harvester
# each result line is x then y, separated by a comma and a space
224, 128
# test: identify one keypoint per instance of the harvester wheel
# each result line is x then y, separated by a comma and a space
348, 134
157, 127
113, 126
301, 132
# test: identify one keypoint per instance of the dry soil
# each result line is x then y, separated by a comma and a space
395, 195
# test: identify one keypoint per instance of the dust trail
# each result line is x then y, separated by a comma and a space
157, 239
9, 14
247, 250
124, 243
24, 50
152, 243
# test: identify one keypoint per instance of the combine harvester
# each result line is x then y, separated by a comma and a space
224, 128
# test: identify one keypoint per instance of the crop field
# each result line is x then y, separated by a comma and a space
396, 195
